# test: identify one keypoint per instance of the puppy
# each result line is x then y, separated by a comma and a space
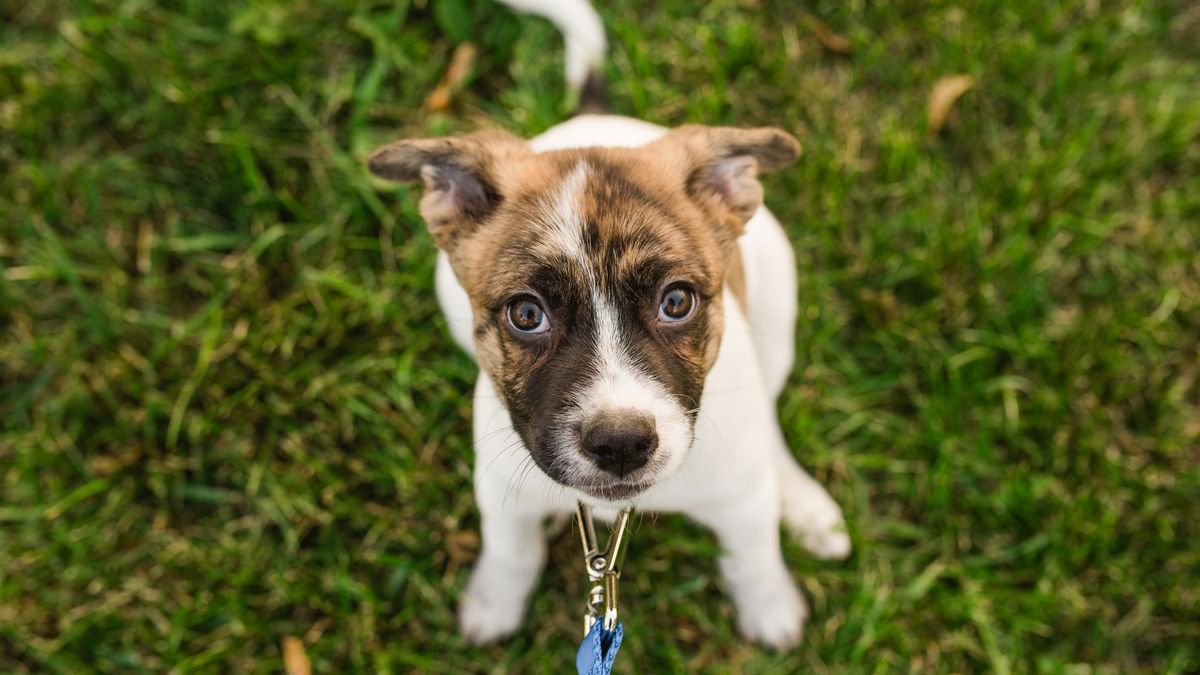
631, 306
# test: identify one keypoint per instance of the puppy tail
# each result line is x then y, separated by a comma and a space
583, 33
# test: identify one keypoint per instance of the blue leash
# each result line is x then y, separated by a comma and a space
602, 634
599, 650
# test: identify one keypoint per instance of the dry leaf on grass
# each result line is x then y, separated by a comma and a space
457, 72
295, 661
941, 99
838, 44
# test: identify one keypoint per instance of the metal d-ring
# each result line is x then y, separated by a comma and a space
603, 566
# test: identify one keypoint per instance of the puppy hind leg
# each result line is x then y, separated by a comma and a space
809, 513
494, 602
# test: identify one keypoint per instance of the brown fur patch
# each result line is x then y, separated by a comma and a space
735, 279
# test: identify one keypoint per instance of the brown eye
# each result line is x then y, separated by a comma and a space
677, 304
526, 316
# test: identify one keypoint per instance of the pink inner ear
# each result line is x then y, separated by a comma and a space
736, 180
450, 193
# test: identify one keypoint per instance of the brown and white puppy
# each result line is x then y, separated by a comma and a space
631, 306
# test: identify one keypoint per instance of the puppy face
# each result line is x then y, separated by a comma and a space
596, 279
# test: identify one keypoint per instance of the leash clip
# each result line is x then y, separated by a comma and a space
603, 566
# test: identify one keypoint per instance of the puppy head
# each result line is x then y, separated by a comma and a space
596, 279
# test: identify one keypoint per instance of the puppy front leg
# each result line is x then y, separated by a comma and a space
770, 609
513, 552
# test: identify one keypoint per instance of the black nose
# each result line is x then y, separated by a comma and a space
620, 443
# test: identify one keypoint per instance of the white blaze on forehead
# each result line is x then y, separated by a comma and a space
565, 227
566, 236
618, 382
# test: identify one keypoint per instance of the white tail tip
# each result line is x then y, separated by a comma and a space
582, 30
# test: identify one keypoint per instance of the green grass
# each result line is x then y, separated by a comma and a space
231, 412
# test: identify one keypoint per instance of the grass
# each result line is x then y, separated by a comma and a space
231, 413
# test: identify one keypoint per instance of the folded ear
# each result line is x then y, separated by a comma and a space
721, 165
463, 177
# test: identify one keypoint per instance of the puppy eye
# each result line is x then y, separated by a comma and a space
678, 303
527, 316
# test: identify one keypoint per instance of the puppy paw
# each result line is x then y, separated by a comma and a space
775, 620
819, 526
487, 612
828, 544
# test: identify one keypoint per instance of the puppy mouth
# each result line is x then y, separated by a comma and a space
615, 491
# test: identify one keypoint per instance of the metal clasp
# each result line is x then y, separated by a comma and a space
603, 566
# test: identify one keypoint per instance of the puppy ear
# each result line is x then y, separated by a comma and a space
721, 166
463, 177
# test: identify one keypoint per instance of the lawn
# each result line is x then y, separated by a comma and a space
231, 413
